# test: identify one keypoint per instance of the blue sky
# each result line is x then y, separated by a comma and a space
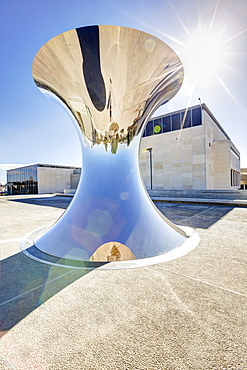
34, 129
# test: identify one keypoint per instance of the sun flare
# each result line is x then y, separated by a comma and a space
203, 57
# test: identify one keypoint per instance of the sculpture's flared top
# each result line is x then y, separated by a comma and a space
111, 78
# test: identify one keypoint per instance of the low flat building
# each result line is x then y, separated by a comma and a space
39, 178
189, 149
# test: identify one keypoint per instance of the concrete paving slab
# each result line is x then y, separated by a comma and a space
189, 313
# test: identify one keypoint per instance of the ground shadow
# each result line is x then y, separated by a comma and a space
200, 216
26, 284
186, 214
52, 201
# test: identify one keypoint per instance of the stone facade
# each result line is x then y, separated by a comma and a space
199, 157
53, 180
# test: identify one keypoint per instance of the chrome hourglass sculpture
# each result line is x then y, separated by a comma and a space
110, 80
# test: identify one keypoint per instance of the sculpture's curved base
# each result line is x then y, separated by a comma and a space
30, 250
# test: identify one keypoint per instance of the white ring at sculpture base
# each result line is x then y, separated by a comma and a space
190, 243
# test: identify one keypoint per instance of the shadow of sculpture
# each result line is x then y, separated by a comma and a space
200, 216
27, 284
49, 201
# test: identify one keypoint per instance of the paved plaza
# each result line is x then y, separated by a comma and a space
186, 314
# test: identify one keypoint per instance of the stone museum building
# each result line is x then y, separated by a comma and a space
39, 179
189, 149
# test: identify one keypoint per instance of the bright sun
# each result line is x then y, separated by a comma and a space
203, 57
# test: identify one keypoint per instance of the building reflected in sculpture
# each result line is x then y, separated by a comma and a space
110, 80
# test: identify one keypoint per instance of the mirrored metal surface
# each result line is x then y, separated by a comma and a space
110, 80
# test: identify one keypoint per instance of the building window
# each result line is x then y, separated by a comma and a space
22, 180
196, 117
186, 119
157, 126
166, 124
176, 121
149, 128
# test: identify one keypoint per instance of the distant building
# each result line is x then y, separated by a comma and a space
39, 179
190, 150
243, 178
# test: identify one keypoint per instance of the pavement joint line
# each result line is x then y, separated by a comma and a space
202, 281
31, 290
205, 210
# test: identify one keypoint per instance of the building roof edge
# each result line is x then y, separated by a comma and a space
205, 107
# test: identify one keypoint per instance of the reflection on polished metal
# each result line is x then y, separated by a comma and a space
110, 80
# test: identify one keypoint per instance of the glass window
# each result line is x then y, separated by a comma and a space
166, 124
157, 126
32, 173
29, 173
186, 119
35, 176
196, 117
149, 128
176, 121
